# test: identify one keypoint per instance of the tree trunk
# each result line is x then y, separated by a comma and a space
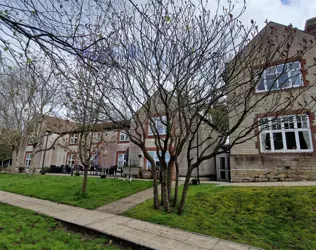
185, 191
164, 187
155, 188
176, 188
169, 183
33, 163
85, 179
14, 155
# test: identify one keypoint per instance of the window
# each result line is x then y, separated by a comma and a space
30, 139
154, 155
28, 158
158, 123
285, 134
282, 76
71, 159
73, 139
123, 137
96, 137
121, 160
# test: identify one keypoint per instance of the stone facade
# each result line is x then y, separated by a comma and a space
247, 161
268, 167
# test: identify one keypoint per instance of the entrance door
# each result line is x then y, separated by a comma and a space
223, 168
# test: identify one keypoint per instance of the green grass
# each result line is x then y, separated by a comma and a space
266, 217
24, 229
67, 190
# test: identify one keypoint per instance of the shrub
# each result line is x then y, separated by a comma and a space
21, 169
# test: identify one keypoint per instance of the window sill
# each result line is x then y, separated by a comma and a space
288, 152
278, 90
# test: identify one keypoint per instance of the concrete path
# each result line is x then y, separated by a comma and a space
139, 232
122, 205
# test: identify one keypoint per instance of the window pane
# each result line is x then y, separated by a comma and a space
281, 68
260, 86
296, 78
304, 140
276, 124
278, 141
271, 70
265, 141
294, 65
222, 163
288, 122
284, 81
290, 140
264, 124
271, 83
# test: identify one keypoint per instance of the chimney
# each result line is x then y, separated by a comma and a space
310, 26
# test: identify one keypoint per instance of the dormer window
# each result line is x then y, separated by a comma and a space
282, 76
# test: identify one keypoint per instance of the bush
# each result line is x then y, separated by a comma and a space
21, 169
45, 170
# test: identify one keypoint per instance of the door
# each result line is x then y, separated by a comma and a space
223, 168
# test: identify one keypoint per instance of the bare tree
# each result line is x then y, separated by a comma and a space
175, 62
165, 65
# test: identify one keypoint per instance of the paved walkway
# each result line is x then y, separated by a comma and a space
122, 205
139, 232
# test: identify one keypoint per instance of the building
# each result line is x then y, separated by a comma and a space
283, 147
111, 147
61, 137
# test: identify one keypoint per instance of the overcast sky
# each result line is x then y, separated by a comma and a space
280, 11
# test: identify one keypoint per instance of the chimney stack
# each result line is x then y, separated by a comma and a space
310, 26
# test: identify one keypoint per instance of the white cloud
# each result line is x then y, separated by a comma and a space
285, 12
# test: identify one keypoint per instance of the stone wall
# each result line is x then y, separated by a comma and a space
278, 167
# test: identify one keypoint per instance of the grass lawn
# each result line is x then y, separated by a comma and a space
266, 217
67, 190
24, 229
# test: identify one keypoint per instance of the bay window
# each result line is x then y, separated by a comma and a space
285, 134
282, 76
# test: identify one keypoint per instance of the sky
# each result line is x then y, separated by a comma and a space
285, 12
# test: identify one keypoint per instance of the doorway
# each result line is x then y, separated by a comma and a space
222, 167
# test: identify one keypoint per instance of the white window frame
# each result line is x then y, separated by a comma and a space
71, 157
278, 125
123, 136
157, 122
278, 70
30, 139
73, 140
28, 159
155, 157
120, 166
96, 137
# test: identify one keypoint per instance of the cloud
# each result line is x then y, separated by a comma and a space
285, 12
